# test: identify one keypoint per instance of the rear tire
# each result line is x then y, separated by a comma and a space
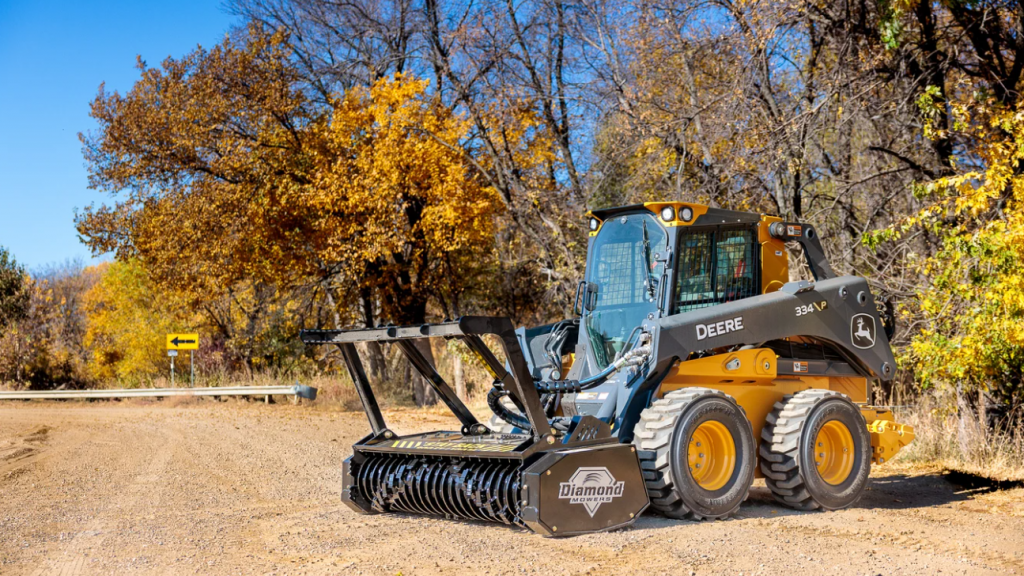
816, 451
696, 451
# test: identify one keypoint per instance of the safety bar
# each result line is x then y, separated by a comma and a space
519, 382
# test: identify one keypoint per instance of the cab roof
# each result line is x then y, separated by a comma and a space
705, 215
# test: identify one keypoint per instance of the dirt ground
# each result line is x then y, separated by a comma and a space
239, 488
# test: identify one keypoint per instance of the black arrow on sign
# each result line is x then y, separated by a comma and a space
178, 342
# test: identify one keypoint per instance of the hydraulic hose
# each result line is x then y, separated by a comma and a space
494, 403
634, 357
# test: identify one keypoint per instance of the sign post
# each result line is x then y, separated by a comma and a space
188, 342
172, 354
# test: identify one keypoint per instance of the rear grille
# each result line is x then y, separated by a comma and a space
803, 351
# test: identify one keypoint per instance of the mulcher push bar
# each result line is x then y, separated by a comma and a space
519, 382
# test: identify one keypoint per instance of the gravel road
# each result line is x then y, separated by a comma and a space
240, 488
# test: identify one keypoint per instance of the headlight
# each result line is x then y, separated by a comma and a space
668, 214
593, 224
686, 213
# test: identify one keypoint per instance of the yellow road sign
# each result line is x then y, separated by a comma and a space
183, 341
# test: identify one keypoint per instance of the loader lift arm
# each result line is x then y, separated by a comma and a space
774, 316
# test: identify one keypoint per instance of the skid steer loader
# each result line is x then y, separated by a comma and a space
692, 366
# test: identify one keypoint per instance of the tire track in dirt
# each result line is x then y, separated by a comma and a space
70, 559
903, 540
23, 450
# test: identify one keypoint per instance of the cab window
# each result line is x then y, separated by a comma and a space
716, 266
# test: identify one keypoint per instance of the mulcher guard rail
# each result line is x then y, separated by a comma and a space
582, 481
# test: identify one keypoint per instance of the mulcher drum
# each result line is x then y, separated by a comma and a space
554, 490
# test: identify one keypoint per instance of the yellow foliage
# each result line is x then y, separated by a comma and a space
229, 174
973, 302
127, 321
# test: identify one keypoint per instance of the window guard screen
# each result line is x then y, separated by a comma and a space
716, 266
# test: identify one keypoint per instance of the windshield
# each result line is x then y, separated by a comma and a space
627, 277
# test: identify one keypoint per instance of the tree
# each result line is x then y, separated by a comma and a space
14, 292
43, 345
127, 321
972, 289
227, 173
513, 70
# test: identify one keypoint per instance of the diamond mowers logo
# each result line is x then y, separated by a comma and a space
591, 487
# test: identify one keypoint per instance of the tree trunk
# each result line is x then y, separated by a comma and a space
460, 380
967, 432
373, 350
422, 392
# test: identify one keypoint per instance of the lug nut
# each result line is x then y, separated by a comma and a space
701, 455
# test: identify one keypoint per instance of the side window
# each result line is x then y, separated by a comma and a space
694, 284
736, 269
715, 267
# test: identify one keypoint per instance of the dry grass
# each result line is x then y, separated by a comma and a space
964, 445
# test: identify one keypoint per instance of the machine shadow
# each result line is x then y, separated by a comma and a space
892, 492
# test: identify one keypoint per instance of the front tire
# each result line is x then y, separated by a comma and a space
696, 450
816, 451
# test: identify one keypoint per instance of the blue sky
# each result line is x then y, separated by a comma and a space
53, 57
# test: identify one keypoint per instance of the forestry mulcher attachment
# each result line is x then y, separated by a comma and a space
693, 365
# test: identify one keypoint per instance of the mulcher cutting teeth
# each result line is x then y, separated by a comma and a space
438, 486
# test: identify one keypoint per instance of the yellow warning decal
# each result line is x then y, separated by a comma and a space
459, 446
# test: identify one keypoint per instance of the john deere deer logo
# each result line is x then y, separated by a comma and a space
862, 330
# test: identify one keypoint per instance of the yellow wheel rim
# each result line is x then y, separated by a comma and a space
711, 455
833, 452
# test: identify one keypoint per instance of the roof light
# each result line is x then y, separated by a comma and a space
593, 224
668, 214
686, 214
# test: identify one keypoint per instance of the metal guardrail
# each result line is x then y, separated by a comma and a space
307, 392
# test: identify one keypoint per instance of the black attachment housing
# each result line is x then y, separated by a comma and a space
554, 484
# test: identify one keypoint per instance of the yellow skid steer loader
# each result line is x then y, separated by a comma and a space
692, 366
